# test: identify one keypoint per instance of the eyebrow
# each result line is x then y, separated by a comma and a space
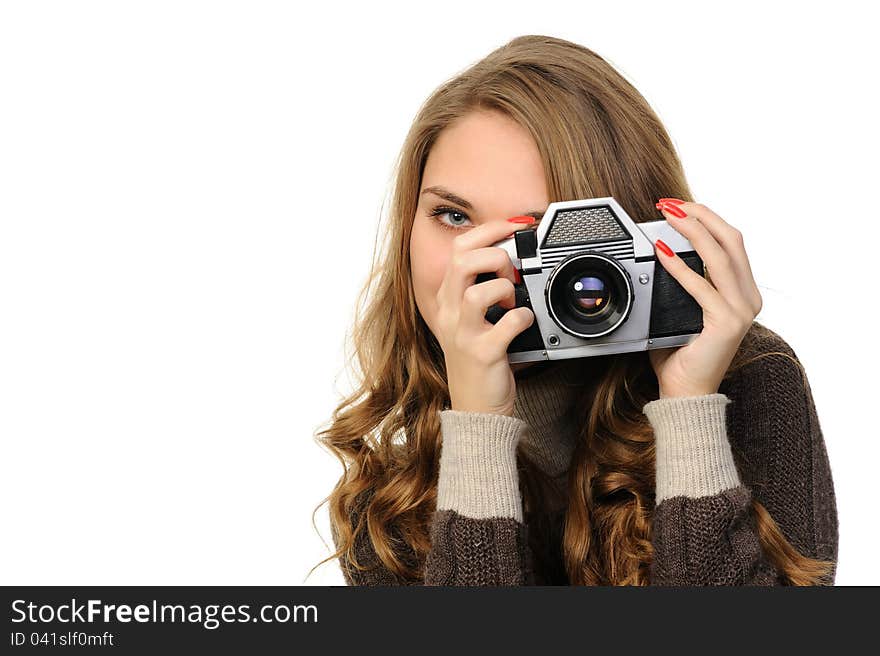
445, 194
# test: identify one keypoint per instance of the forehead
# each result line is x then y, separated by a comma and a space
486, 154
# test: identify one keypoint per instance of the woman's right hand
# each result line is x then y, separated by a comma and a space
478, 373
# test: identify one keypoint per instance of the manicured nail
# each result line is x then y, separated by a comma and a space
522, 219
663, 247
672, 209
517, 277
674, 201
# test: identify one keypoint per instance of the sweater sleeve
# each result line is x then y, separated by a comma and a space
703, 532
478, 537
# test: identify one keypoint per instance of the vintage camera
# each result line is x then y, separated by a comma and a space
590, 275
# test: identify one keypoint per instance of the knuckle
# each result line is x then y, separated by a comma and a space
471, 295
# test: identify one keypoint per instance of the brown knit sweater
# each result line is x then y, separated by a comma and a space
759, 435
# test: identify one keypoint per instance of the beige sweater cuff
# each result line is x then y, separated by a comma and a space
693, 453
478, 476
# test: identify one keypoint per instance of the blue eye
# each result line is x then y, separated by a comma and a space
441, 211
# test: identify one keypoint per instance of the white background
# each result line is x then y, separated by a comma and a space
189, 196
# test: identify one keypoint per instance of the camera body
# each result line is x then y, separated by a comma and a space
590, 276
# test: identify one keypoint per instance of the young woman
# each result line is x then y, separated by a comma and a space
703, 464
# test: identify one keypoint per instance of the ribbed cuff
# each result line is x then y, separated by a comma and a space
478, 476
693, 453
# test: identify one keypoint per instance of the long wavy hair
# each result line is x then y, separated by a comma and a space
597, 136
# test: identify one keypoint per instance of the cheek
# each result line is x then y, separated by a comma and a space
429, 255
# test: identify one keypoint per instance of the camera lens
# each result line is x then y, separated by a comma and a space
589, 294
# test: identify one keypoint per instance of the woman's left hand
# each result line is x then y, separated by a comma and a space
729, 307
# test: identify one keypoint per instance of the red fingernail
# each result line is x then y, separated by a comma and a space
517, 277
672, 209
522, 219
675, 201
663, 247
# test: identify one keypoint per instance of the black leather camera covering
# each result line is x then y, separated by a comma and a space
673, 310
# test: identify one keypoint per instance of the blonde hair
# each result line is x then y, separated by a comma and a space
597, 136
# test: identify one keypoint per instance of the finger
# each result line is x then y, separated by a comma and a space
478, 298
486, 234
694, 284
464, 267
717, 260
508, 327
732, 241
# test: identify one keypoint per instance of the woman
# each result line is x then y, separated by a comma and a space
703, 464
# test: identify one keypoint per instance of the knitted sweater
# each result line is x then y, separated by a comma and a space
758, 436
